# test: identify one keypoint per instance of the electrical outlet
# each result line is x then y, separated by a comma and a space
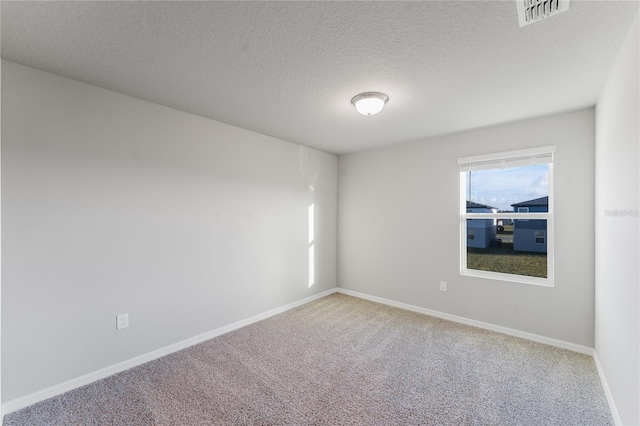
122, 321
443, 286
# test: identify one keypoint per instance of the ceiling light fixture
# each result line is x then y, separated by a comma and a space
369, 103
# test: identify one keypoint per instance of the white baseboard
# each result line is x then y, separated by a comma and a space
25, 401
607, 390
462, 320
511, 332
86, 379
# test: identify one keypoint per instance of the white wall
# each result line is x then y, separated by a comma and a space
114, 205
399, 228
1, 411
617, 332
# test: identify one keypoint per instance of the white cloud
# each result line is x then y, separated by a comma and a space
502, 187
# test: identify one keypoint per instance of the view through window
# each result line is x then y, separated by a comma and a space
506, 216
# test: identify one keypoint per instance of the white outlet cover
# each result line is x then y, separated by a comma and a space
443, 286
122, 321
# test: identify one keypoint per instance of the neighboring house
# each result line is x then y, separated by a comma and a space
480, 232
530, 235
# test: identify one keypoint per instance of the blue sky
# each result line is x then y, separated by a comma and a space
502, 187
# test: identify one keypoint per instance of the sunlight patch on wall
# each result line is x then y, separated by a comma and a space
312, 259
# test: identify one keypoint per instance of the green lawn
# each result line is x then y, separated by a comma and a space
504, 259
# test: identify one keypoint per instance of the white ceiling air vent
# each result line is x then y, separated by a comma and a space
530, 11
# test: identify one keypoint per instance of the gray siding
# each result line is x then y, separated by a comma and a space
484, 231
525, 240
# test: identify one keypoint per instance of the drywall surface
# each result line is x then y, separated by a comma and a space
617, 329
399, 221
113, 205
1, 412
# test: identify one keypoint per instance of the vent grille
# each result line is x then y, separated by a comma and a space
530, 11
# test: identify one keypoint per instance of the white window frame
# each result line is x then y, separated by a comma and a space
503, 160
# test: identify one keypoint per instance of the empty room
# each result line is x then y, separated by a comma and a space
320, 213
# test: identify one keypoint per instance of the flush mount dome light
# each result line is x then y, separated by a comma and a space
369, 103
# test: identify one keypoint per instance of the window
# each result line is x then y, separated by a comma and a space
523, 210
506, 216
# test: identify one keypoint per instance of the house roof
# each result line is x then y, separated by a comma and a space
474, 205
542, 201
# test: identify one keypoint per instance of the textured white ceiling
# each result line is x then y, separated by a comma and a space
290, 69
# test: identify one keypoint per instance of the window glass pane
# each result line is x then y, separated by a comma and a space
506, 243
508, 246
506, 190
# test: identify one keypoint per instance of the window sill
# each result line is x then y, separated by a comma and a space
522, 279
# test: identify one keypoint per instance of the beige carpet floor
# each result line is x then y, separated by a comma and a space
342, 360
